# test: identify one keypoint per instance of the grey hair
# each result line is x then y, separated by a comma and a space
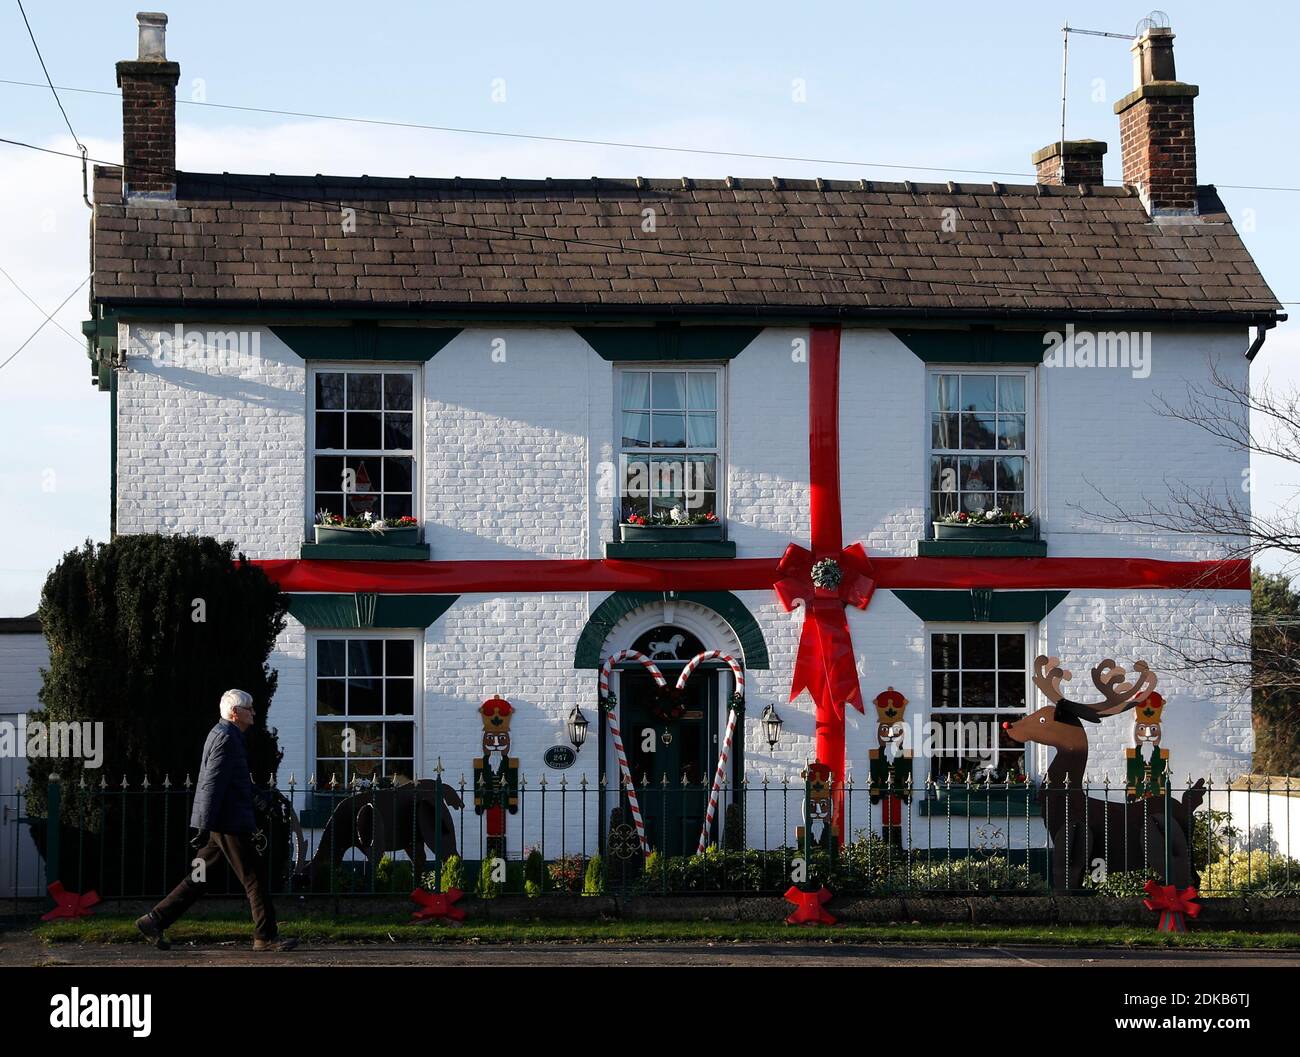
231, 700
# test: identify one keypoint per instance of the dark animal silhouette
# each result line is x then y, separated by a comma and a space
378, 821
1128, 836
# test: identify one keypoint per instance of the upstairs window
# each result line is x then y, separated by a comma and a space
670, 441
980, 427
365, 439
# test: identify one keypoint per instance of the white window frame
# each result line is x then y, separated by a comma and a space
1030, 374
936, 714
417, 690
416, 371
719, 370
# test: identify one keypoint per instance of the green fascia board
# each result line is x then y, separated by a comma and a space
361, 610
618, 605
981, 548
668, 342
981, 606
977, 345
696, 549
379, 552
366, 341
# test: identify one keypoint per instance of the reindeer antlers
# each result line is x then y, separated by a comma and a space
1108, 677
1048, 677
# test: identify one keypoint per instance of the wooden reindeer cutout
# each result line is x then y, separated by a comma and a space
1128, 836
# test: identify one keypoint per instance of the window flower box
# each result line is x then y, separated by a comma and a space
987, 527
674, 527
365, 531
669, 533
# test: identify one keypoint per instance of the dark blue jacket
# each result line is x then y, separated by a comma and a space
223, 797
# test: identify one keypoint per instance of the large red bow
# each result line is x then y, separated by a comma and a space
69, 904
437, 905
825, 665
1175, 907
810, 907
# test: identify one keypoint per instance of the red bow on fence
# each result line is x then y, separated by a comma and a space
810, 907
437, 905
1175, 907
69, 904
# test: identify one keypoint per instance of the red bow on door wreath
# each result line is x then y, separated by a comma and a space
825, 665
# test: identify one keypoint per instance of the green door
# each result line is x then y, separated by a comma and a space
668, 735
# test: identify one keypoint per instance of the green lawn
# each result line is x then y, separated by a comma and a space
118, 929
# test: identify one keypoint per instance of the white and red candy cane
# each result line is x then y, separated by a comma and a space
653, 669
717, 783
739, 673
710, 655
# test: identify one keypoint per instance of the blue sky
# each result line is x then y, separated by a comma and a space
960, 86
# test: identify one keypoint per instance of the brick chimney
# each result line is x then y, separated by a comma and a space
148, 86
1069, 162
1156, 132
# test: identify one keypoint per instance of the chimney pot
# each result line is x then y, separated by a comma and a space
1153, 57
153, 36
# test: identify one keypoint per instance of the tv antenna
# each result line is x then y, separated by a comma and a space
1155, 20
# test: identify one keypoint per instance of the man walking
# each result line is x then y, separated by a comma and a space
223, 817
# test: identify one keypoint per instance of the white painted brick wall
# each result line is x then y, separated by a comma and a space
202, 450
517, 461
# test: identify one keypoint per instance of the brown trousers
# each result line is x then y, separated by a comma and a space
248, 866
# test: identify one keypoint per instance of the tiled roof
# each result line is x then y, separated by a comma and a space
846, 246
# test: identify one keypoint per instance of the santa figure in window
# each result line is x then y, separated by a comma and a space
890, 765
1148, 763
496, 774
821, 828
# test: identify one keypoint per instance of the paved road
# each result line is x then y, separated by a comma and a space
23, 949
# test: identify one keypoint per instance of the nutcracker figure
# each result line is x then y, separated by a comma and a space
496, 774
890, 765
1148, 763
822, 827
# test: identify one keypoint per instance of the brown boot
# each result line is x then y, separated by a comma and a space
153, 931
280, 945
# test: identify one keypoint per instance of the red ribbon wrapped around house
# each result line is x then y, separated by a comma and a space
1175, 907
437, 905
69, 904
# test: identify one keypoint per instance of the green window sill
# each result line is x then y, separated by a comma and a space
981, 549
682, 549
376, 552
995, 803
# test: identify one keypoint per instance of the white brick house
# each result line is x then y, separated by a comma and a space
483, 354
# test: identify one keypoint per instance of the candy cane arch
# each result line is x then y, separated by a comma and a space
653, 669
725, 751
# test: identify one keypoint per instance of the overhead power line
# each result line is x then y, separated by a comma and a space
85, 180
48, 318
591, 142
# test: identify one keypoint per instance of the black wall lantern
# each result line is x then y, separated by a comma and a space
771, 725
577, 725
